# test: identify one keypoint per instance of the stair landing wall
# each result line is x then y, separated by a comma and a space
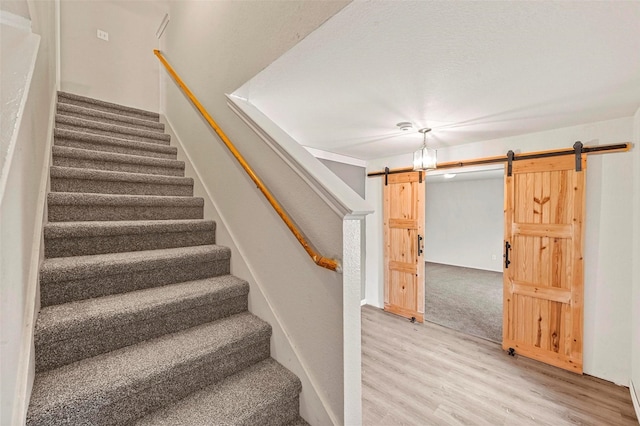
24, 159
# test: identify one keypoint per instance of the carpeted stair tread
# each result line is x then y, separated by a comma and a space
69, 179
99, 160
76, 206
114, 130
80, 267
89, 174
73, 99
68, 279
107, 117
132, 227
63, 239
66, 198
61, 322
251, 397
88, 141
72, 331
91, 391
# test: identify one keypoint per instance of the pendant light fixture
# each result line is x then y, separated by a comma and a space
424, 158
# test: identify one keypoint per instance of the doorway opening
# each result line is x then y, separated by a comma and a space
464, 225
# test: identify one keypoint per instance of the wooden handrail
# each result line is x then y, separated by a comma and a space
319, 260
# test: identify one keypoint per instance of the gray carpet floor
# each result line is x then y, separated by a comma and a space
464, 299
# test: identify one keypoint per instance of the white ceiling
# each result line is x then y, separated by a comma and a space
472, 71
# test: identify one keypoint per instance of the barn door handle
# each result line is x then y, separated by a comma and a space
507, 246
419, 244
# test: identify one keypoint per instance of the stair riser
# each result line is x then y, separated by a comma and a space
117, 167
84, 246
58, 292
83, 104
115, 187
75, 213
133, 123
118, 149
105, 338
158, 391
278, 413
211, 370
113, 134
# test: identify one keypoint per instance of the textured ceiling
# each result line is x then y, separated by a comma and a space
470, 70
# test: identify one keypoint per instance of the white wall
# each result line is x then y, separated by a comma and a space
608, 240
122, 70
635, 299
242, 38
608, 266
19, 48
17, 7
15, 234
464, 223
22, 204
374, 287
354, 176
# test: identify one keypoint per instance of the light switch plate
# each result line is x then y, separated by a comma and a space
103, 35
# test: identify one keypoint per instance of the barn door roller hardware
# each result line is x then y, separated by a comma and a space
510, 156
577, 147
602, 149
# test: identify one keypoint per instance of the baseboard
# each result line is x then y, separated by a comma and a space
169, 128
464, 266
363, 302
634, 398
26, 367
374, 304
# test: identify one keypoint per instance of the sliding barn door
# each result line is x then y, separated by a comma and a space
403, 245
543, 283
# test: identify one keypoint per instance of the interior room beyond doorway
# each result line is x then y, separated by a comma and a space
463, 252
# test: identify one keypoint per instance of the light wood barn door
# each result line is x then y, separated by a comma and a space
543, 284
403, 245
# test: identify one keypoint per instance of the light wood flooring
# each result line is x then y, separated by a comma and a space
425, 374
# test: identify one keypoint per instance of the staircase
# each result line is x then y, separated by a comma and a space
141, 322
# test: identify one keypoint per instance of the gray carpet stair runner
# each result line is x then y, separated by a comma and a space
141, 322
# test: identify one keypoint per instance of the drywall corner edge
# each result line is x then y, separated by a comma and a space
353, 258
329, 187
635, 398
306, 379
